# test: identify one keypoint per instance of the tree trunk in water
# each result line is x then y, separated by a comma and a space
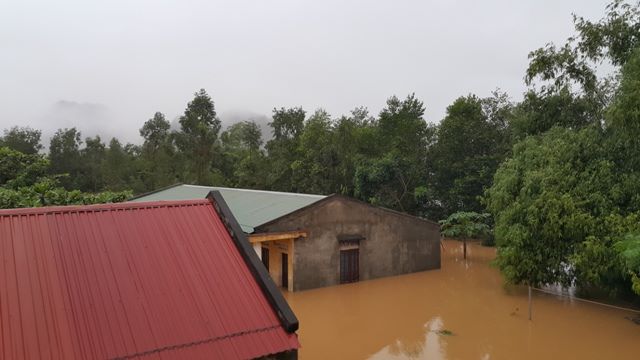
529, 302
464, 246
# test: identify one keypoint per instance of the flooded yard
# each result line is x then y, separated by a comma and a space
462, 311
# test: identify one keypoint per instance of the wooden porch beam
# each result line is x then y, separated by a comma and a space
274, 236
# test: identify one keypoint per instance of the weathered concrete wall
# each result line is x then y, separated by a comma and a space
393, 243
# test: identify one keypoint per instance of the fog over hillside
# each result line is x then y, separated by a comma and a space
107, 67
97, 119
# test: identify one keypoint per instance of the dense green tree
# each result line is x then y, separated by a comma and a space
568, 196
572, 94
288, 123
623, 118
540, 111
389, 181
465, 225
24, 182
92, 156
612, 38
282, 149
629, 249
121, 168
155, 132
314, 170
65, 158
472, 140
353, 140
158, 163
199, 128
23, 139
244, 160
243, 136
402, 128
18, 169
559, 206
391, 175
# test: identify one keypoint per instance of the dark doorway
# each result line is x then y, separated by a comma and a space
349, 266
265, 257
285, 270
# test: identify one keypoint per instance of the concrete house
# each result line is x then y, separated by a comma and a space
340, 240
310, 241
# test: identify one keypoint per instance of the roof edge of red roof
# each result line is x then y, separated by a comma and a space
277, 301
202, 342
100, 207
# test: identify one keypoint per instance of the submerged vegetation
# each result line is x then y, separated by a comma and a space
558, 171
465, 226
444, 332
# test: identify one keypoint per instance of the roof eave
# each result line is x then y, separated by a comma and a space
287, 318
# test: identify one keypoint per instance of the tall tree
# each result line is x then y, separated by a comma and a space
120, 168
282, 149
314, 170
155, 132
472, 141
539, 111
64, 154
158, 163
354, 140
571, 93
244, 159
199, 128
92, 156
243, 136
392, 175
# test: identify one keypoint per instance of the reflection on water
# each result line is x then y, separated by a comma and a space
462, 311
431, 346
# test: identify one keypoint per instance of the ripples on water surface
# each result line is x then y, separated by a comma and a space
462, 311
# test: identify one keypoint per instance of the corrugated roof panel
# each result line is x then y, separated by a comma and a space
124, 280
250, 207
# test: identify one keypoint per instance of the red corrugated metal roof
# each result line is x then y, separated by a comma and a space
126, 280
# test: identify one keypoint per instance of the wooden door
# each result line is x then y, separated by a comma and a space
349, 266
285, 270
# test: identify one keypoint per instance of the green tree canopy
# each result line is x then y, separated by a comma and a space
18, 169
283, 149
158, 163
394, 167
199, 128
465, 225
244, 159
23, 139
64, 154
472, 140
629, 249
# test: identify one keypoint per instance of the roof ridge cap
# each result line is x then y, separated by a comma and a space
253, 190
99, 207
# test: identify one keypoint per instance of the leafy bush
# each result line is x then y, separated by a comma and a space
466, 225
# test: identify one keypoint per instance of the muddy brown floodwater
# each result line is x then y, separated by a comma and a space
409, 316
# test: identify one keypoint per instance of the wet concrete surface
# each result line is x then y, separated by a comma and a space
462, 311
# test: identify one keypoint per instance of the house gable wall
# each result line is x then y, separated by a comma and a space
392, 243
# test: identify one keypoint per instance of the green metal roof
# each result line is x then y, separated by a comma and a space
250, 207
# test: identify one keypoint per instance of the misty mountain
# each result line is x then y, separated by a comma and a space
229, 118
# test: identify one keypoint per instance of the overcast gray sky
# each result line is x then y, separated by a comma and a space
107, 66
